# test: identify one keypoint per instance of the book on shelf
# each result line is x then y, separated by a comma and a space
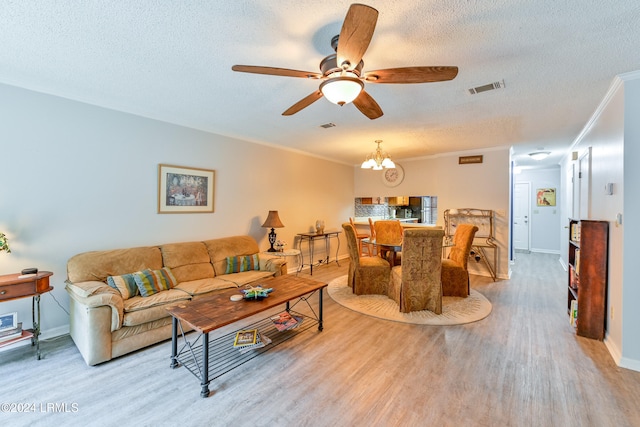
574, 281
245, 337
573, 313
285, 321
575, 232
261, 341
577, 261
9, 334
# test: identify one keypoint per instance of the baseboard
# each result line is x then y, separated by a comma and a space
632, 364
307, 268
563, 264
546, 251
622, 362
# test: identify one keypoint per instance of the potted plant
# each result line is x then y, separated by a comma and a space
4, 243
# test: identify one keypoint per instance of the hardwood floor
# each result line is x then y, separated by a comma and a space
521, 366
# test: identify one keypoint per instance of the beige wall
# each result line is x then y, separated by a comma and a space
79, 178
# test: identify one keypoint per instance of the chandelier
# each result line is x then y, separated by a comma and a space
378, 160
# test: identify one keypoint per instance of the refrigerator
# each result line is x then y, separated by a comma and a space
425, 208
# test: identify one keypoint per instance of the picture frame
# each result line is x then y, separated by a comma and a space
466, 160
546, 197
8, 321
184, 189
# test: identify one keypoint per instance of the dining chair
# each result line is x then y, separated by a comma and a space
455, 276
367, 275
417, 284
373, 248
389, 232
360, 238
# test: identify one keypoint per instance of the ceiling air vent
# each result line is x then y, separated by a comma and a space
327, 125
484, 88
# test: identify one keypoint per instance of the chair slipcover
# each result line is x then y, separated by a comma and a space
367, 275
416, 284
389, 231
455, 277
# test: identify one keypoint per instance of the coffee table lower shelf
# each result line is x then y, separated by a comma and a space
223, 356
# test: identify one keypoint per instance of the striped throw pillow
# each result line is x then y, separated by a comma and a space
151, 282
125, 284
237, 264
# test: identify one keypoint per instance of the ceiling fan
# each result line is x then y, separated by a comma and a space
343, 79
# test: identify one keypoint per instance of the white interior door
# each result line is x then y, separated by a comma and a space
521, 208
584, 179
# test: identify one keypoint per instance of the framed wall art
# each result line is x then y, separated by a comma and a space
185, 190
8, 321
546, 196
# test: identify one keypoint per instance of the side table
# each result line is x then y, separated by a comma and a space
16, 286
310, 239
285, 254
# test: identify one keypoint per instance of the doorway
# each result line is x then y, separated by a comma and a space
521, 213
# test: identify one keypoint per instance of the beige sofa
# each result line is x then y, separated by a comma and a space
104, 325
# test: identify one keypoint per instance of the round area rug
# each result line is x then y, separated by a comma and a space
455, 310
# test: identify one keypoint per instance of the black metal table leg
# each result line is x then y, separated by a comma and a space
174, 343
205, 366
35, 340
320, 327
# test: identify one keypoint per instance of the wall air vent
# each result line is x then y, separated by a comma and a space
327, 125
484, 88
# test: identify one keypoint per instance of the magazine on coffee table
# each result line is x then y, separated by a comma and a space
245, 338
262, 340
285, 321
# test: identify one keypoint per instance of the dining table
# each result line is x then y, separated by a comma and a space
391, 249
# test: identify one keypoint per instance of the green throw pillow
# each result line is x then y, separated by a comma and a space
237, 264
151, 282
125, 284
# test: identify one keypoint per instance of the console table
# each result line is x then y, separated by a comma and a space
16, 286
310, 238
483, 241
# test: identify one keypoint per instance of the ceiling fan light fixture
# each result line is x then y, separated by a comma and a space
539, 155
378, 160
341, 90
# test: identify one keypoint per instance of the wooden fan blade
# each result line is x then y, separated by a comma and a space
273, 71
303, 103
356, 34
367, 105
411, 75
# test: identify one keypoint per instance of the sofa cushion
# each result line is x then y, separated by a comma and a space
246, 277
220, 249
151, 282
138, 310
203, 286
188, 261
125, 284
238, 264
98, 265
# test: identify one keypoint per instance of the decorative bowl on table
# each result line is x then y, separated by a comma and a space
257, 293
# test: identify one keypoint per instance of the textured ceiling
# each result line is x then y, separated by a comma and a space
171, 61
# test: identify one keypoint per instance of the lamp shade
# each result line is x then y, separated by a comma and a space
341, 90
273, 220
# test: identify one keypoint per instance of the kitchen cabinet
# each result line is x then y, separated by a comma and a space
372, 200
399, 201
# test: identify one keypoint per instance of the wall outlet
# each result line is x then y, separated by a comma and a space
611, 312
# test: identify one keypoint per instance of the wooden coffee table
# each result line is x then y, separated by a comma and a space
209, 360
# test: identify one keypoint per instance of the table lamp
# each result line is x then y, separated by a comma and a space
273, 221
